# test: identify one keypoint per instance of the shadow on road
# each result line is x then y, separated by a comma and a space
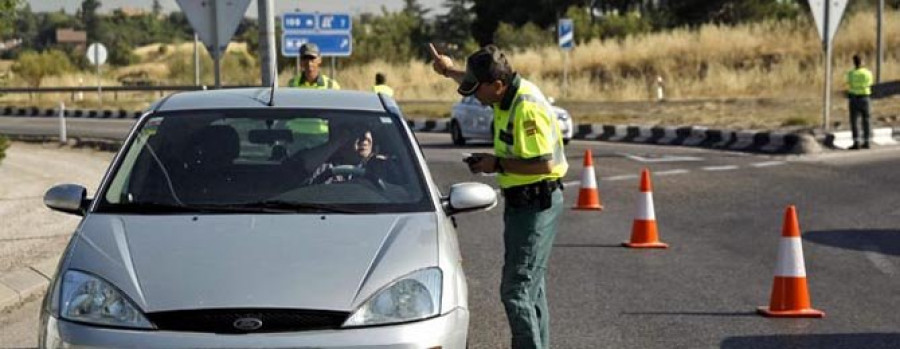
879, 241
691, 313
587, 245
836, 340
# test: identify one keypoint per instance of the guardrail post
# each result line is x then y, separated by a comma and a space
62, 124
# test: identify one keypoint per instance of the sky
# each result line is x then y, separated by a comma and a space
281, 6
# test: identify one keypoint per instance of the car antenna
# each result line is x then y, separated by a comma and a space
274, 83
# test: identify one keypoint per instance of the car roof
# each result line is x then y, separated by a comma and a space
284, 98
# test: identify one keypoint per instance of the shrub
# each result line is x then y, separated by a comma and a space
33, 67
4, 144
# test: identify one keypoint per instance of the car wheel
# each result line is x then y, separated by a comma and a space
566, 141
456, 134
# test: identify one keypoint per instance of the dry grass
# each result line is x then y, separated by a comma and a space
778, 65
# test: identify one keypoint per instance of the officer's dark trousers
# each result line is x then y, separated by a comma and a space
528, 237
859, 111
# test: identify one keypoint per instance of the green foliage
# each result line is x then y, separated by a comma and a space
527, 36
33, 67
4, 144
7, 15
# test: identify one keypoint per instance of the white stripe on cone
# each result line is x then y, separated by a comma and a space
645, 207
790, 258
588, 180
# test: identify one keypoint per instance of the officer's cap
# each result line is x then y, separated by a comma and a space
309, 50
488, 64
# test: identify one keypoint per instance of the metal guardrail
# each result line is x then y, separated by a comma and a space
111, 88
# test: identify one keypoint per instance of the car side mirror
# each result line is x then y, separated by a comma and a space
469, 197
68, 198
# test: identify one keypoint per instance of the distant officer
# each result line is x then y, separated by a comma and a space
859, 81
310, 75
529, 160
381, 85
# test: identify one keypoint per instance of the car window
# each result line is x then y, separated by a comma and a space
275, 160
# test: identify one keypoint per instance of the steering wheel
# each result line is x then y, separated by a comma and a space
359, 172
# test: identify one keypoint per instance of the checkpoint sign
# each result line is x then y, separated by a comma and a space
330, 31
566, 31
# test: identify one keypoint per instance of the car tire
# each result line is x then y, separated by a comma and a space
456, 134
566, 141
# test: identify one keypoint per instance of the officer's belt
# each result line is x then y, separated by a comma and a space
550, 184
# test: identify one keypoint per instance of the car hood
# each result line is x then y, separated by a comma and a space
326, 262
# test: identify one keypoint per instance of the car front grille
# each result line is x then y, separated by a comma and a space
239, 321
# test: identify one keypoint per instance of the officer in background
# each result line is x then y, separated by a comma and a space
310, 75
530, 161
381, 85
859, 81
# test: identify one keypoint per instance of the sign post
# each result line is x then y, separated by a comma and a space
827, 14
566, 33
332, 32
215, 21
96, 54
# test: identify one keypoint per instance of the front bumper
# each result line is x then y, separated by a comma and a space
447, 331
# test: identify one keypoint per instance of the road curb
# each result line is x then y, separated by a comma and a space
21, 285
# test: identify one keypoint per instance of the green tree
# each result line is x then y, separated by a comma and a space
90, 20
7, 16
157, 9
454, 29
33, 67
4, 144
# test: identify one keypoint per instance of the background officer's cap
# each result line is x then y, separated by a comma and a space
485, 65
309, 50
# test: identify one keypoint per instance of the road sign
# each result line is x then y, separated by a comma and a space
335, 21
298, 21
330, 44
330, 31
566, 30
214, 20
835, 12
96, 53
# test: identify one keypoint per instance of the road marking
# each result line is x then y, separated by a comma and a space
874, 255
664, 158
572, 183
768, 164
720, 168
671, 172
619, 177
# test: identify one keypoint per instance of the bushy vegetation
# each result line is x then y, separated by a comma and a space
33, 66
4, 144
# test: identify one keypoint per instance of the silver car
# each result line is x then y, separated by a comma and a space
231, 221
471, 120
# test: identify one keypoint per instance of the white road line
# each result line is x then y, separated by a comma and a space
879, 260
663, 158
619, 177
671, 172
572, 183
720, 168
768, 163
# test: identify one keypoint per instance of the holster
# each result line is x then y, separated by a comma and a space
537, 195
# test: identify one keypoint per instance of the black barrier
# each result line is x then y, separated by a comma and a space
92, 114
107, 114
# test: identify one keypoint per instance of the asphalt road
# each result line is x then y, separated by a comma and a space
721, 213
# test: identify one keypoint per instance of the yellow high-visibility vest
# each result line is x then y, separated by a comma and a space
860, 82
385, 89
323, 82
528, 130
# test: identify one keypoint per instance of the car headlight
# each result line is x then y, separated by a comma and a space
413, 297
87, 298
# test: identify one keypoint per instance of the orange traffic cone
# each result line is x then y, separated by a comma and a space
588, 195
643, 231
790, 296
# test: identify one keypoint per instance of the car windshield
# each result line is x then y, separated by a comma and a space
269, 161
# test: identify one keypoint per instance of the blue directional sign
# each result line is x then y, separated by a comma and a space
298, 21
330, 31
330, 44
335, 21
566, 30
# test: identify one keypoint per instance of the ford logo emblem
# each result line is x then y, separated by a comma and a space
247, 324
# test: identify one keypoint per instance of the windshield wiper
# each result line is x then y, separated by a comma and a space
155, 207
299, 206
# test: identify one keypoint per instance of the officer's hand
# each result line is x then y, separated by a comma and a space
483, 164
441, 62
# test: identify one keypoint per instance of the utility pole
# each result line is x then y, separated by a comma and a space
267, 40
196, 60
880, 42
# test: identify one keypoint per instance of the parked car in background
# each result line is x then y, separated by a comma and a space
471, 120
231, 221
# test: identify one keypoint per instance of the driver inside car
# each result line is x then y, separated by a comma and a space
354, 160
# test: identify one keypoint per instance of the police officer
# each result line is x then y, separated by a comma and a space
381, 85
859, 80
310, 76
530, 161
